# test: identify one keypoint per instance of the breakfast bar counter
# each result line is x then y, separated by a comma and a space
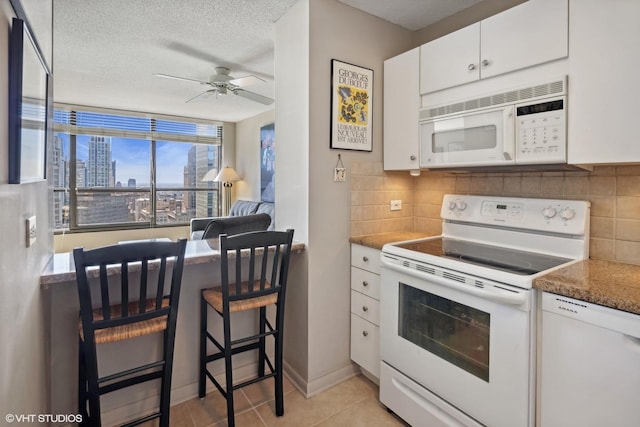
61, 308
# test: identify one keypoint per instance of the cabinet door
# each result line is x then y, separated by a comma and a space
603, 82
531, 33
450, 60
401, 103
365, 344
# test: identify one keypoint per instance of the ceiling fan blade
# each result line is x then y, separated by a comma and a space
167, 76
254, 96
202, 96
246, 81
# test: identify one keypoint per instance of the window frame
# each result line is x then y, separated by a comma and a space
152, 191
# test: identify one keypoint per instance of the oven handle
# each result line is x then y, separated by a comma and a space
491, 293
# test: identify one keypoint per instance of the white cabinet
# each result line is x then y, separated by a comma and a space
451, 60
401, 103
604, 87
528, 34
365, 308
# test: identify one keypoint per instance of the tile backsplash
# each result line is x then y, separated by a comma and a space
614, 193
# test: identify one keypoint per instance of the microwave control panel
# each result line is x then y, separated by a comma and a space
541, 135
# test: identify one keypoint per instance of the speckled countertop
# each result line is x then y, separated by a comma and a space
611, 284
61, 269
377, 241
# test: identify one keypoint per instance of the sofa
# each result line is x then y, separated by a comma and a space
240, 208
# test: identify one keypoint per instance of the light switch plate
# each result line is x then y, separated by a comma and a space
396, 205
31, 230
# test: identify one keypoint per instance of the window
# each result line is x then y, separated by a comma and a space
113, 169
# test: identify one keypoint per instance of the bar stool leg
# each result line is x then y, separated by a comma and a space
228, 368
82, 383
261, 350
279, 392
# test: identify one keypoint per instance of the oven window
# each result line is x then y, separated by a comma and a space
452, 331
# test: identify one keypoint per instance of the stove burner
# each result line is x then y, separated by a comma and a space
505, 259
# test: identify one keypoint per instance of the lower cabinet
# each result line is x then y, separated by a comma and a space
365, 308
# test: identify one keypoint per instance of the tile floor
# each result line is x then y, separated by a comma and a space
352, 403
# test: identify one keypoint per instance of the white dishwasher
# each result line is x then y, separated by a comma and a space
590, 367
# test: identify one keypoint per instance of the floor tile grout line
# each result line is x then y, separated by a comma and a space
339, 412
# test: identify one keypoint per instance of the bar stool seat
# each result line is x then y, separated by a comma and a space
249, 281
112, 322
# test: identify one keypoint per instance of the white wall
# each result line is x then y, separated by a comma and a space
23, 386
292, 174
306, 194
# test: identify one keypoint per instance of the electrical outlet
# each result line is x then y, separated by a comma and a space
31, 231
396, 205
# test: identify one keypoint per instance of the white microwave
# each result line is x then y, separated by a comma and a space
532, 132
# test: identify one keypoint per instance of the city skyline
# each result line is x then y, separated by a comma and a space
132, 159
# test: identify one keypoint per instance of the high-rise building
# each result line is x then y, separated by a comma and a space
99, 166
132, 183
81, 173
59, 169
201, 158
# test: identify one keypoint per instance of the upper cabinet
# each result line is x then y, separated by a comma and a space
401, 104
531, 33
603, 69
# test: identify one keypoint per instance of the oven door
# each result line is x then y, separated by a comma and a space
467, 345
481, 138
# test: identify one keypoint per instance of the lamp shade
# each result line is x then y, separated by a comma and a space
227, 174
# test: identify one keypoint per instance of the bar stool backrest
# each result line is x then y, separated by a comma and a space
119, 305
264, 275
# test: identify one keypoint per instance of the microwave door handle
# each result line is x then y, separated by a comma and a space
509, 135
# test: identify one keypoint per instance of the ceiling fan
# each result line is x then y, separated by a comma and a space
222, 83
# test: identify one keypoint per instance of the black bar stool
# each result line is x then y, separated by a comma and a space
249, 281
152, 309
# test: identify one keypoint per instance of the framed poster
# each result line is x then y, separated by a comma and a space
351, 106
267, 162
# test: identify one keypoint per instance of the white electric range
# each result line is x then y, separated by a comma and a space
457, 311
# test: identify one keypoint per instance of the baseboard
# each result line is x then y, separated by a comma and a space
311, 388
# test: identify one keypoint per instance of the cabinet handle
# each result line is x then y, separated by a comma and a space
471, 67
365, 283
412, 157
365, 333
485, 62
365, 308
365, 259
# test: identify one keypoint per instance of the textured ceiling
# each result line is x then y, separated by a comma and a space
411, 14
106, 51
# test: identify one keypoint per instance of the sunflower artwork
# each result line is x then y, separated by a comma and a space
351, 107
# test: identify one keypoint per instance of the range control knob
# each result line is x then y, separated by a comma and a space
461, 205
567, 213
452, 205
549, 212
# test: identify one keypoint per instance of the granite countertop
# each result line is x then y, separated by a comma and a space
62, 268
377, 241
607, 283
610, 284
